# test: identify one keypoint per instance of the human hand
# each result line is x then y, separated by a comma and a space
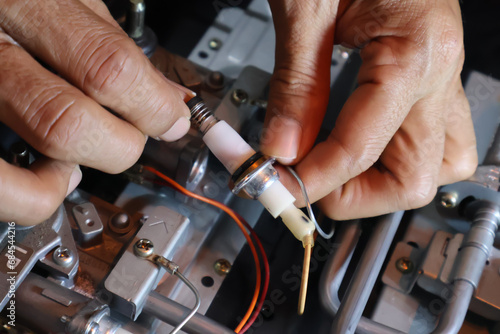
63, 116
404, 131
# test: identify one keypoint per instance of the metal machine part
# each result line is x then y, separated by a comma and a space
79, 272
165, 228
230, 45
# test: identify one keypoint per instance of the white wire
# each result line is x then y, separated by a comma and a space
309, 207
196, 306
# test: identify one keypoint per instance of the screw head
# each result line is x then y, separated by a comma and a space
63, 256
222, 267
143, 248
404, 265
215, 81
448, 200
239, 96
215, 44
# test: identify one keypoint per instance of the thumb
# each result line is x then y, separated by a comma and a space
30, 196
300, 83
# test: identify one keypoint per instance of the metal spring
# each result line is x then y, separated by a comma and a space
202, 117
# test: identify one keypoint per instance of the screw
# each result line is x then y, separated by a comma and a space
120, 220
448, 200
222, 267
404, 265
63, 256
143, 248
215, 80
215, 44
239, 96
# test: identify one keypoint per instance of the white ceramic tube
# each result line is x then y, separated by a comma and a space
228, 146
232, 150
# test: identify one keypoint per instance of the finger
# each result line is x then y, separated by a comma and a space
300, 83
98, 7
58, 120
405, 177
368, 120
101, 60
41, 188
460, 151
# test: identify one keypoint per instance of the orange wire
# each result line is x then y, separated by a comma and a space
233, 215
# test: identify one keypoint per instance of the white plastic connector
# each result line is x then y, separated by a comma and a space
232, 150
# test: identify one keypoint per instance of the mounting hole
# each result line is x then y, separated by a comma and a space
89, 222
334, 62
203, 54
487, 262
207, 281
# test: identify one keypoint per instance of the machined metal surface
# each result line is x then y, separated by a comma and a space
245, 37
365, 276
256, 178
172, 313
133, 278
30, 246
89, 224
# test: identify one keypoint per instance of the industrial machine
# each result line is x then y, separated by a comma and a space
164, 247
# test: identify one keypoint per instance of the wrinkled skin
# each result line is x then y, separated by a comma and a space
63, 117
404, 131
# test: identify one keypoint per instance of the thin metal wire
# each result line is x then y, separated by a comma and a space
309, 207
196, 306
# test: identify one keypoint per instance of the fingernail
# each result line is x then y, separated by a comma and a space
282, 139
74, 180
178, 130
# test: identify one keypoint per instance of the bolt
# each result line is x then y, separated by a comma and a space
222, 267
239, 96
215, 44
120, 220
63, 256
448, 200
143, 248
215, 80
404, 265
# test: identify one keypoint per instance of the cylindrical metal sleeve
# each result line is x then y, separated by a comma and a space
173, 313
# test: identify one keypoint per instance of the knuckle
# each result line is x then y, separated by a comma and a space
298, 81
111, 67
54, 121
357, 160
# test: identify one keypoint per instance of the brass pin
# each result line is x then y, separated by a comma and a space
305, 278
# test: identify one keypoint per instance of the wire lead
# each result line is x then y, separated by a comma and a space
196, 306
309, 207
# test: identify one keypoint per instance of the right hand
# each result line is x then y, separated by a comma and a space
63, 116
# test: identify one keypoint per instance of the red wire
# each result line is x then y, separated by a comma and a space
266, 277
171, 183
